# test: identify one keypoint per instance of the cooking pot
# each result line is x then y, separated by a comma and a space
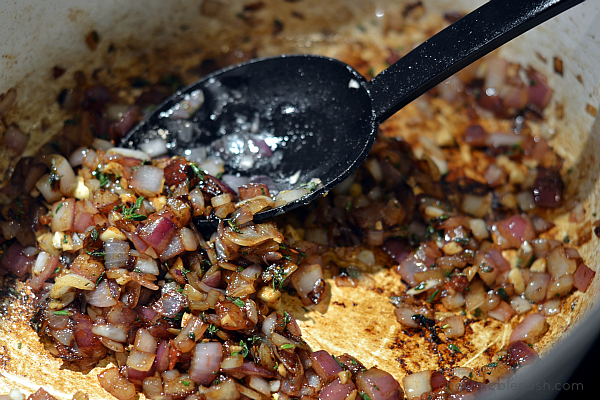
111, 40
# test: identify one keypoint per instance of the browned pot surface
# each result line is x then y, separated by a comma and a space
358, 321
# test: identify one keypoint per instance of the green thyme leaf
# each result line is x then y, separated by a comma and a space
454, 348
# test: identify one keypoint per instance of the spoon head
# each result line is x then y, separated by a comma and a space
295, 119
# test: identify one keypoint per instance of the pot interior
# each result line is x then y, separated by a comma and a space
151, 39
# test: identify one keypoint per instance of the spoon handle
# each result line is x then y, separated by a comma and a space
457, 46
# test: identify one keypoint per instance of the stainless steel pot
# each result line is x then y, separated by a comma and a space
35, 36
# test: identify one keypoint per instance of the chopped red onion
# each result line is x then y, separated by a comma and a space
537, 287
63, 215
337, 390
583, 277
530, 330
161, 362
502, 313
453, 326
15, 261
540, 92
517, 230
157, 232
144, 341
44, 266
206, 362
325, 365
103, 295
548, 188
379, 385
520, 353
174, 248
116, 332
15, 139
147, 180
116, 253
309, 281
116, 384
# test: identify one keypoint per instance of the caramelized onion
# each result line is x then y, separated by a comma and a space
206, 362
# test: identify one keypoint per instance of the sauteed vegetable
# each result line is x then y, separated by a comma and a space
456, 197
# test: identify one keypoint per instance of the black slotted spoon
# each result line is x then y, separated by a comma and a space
321, 112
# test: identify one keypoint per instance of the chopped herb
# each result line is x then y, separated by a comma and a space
64, 240
503, 295
244, 352
130, 212
286, 257
96, 253
420, 286
461, 241
338, 361
454, 348
197, 171
492, 364
100, 278
396, 300
186, 383
446, 326
302, 254
376, 387
443, 217
430, 299
59, 206
279, 277
184, 271
94, 234
349, 205
519, 262
566, 239
240, 269
354, 362
288, 346
19, 345
365, 396
308, 185
233, 226
56, 270
286, 318
192, 336
477, 313
62, 312
471, 375
237, 301
485, 268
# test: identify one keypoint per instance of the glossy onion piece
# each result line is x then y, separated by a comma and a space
379, 385
309, 281
206, 361
63, 215
325, 365
116, 384
337, 390
530, 330
520, 353
147, 180
583, 277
